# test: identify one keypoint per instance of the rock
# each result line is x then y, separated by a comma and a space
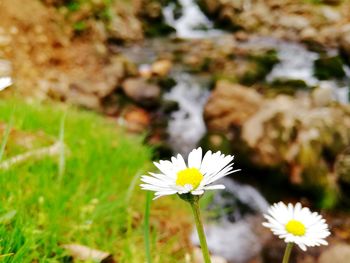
5, 68
331, 14
230, 105
283, 19
78, 97
291, 131
339, 253
286, 113
137, 119
308, 33
84, 253
125, 28
153, 10
345, 43
298, 136
294, 21
161, 67
141, 91
87, 90
322, 96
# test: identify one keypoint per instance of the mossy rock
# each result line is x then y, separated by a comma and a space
154, 23
329, 68
286, 86
261, 67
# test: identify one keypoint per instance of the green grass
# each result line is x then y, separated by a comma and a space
93, 202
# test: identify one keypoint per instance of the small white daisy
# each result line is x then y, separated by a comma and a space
194, 177
297, 224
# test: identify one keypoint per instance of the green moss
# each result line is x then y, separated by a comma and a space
262, 64
285, 86
329, 68
80, 26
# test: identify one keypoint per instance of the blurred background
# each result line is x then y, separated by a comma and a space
91, 91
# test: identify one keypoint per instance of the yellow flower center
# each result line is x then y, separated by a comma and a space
190, 176
295, 227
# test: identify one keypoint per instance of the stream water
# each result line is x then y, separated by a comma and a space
239, 207
191, 98
297, 63
192, 23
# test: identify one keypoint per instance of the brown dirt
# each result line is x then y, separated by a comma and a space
48, 58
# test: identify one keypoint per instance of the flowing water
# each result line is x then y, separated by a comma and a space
192, 23
186, 125
297, 63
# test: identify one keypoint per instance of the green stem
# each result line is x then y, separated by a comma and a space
200, 230
147, 227
287, 253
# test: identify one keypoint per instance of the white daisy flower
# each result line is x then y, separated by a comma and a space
297, 224
194, 177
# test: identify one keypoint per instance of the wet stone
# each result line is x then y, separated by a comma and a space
141, 91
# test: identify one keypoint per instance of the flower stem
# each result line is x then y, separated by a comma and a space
147, 228
287, 253
200, 230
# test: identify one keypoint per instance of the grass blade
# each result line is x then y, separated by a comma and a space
147, 227
5, 138
131, 187
62, 158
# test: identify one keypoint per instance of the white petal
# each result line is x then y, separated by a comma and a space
214, 187
179, 163
197, 192
195, 158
